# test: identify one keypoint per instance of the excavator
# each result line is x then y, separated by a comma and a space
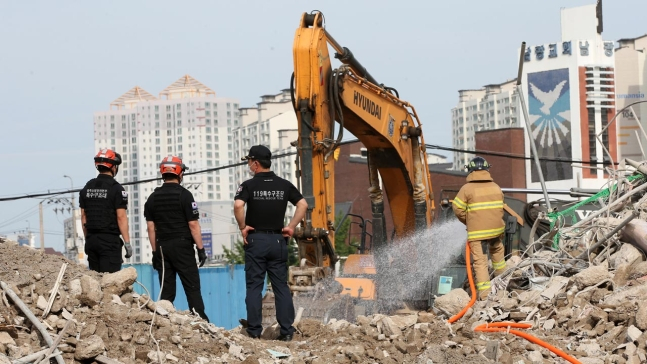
390, 130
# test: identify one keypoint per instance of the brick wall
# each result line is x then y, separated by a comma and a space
506, 172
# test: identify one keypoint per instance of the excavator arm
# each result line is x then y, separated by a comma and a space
387, 126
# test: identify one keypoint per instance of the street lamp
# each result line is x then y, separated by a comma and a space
74, 247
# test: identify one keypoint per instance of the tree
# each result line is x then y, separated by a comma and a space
293, 253
236, 255
341, 235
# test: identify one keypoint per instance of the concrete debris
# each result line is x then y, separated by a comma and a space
453, 302
586, 298
591, 276
118, 282
91, 293
89, 348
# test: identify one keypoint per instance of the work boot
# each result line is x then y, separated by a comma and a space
284, 338
248, 334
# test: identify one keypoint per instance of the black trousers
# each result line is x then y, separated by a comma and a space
104, 252
179, 258
267, 253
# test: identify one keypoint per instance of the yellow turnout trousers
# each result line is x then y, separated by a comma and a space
480, 263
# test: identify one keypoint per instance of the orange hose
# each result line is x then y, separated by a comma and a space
504, 326
499, 327
468, 263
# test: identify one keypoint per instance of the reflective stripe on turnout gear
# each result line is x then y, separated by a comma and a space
498, 265
484, 234
459, 203
485, 205
477, 205
482, 286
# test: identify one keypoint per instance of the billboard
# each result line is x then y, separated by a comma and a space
549, 109
207, 243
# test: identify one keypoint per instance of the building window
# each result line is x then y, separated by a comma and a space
592, 139
210, 196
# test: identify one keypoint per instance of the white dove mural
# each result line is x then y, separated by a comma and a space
550, 113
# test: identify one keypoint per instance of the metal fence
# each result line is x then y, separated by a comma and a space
223, 292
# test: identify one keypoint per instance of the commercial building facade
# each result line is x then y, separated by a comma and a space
569, 90
630, 82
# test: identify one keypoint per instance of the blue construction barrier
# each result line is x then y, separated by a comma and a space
223, 291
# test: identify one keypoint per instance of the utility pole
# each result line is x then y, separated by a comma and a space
42, 233
74, 242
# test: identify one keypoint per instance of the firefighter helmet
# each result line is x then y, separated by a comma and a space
172, 165
107, 158
477, 164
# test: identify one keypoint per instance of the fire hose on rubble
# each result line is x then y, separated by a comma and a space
503, 326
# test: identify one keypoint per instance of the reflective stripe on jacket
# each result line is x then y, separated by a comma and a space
479, 205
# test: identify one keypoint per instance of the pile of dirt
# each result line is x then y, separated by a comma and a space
597, 316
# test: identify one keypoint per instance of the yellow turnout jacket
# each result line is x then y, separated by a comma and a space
479, 205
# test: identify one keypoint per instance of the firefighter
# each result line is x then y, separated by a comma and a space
265, 239
173, 229
103, 202
479, 205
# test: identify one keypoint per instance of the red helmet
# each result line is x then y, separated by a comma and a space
173, 165
107, 158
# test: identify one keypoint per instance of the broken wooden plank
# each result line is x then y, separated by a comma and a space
30, 315
54, 292
105, 360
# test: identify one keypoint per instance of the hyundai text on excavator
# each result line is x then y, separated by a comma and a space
390, 130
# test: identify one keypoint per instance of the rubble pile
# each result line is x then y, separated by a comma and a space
582, 288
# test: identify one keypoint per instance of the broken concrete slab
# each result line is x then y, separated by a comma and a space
627, 254
404, 321
91, 293
89, 348
627, 294
118, 282
452, 302
591, 276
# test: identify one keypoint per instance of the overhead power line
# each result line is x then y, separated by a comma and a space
513, 156
232, 165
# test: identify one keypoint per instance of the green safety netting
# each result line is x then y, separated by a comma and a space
563, 215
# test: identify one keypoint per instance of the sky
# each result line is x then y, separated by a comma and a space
62, 61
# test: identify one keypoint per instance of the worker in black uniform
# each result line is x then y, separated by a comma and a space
173, 229
266, 239
103, 203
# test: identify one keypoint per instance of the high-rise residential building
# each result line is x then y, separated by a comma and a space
569, 91
630, 84
493, 106
187, 120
